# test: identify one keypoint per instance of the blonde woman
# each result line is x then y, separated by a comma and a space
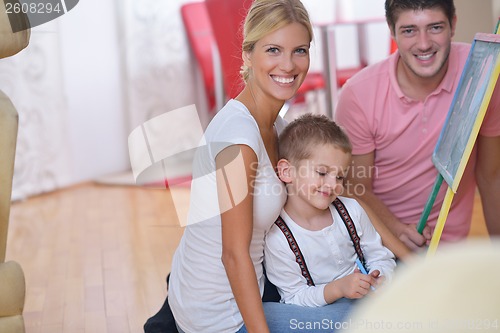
217, 277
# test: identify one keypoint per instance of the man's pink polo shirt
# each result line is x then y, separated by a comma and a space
403, 133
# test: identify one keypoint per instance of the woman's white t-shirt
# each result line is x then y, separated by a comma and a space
199, 292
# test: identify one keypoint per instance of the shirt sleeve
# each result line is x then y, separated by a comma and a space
234, 129
350, 116
284, 272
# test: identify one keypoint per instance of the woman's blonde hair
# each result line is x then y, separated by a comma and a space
267, 16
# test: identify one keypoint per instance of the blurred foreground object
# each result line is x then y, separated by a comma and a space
13, 42
457, 290
12, 282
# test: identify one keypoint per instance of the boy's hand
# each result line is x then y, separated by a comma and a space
357, 284
379, 280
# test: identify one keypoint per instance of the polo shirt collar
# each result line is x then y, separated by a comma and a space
453, 69
393, 63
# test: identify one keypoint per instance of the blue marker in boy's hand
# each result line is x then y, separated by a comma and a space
363, 270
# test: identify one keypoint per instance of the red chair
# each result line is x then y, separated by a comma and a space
226, 17
200, 35
394, 46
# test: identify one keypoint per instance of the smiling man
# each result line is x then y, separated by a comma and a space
394, 111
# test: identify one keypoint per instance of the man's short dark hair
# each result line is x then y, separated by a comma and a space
394, 7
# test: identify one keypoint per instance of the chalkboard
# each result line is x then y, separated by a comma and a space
468, 108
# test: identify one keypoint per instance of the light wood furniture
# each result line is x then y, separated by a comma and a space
14, 36
12, 284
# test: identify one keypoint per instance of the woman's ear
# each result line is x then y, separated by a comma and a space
247, 58
285, 170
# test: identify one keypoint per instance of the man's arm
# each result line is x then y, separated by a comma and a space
362, 183
488, 180
393, 243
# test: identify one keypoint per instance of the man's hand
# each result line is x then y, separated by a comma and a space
409, 235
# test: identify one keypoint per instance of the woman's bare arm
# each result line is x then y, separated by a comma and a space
235, 176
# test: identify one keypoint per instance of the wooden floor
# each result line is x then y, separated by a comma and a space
95, 257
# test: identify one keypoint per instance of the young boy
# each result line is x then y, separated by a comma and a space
310, 252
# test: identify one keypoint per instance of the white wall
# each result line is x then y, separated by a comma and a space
93, 86
33, 81
496, 10
336, 11
475, 16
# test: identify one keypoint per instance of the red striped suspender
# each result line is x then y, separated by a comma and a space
344, 214
294, 246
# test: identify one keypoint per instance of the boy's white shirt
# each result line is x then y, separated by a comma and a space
329, 255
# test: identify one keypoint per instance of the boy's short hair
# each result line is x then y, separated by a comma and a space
298, 139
